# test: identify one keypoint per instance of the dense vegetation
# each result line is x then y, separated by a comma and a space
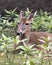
28, 55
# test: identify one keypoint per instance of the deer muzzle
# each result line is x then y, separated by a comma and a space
19, 32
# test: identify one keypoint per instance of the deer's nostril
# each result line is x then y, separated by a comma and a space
19, 33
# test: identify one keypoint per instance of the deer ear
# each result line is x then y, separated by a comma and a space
30, 17
21, 14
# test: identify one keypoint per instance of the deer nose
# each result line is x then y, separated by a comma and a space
19, 33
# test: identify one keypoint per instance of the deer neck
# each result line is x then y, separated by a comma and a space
24, 36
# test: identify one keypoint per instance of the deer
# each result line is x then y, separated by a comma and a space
24, 30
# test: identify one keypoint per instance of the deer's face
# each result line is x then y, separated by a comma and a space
24, 25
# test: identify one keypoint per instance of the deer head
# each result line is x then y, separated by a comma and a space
24, 25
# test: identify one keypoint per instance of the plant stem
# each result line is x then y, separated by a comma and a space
49, 61
41, 61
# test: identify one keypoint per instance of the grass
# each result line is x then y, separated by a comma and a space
9, 33
18, 59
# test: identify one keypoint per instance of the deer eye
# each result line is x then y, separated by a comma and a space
27, 23
18, 23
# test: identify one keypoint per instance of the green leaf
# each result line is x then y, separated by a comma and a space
4, 36
28, 62
31, 62
31, 46
7, 11
14, 10
21, 47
